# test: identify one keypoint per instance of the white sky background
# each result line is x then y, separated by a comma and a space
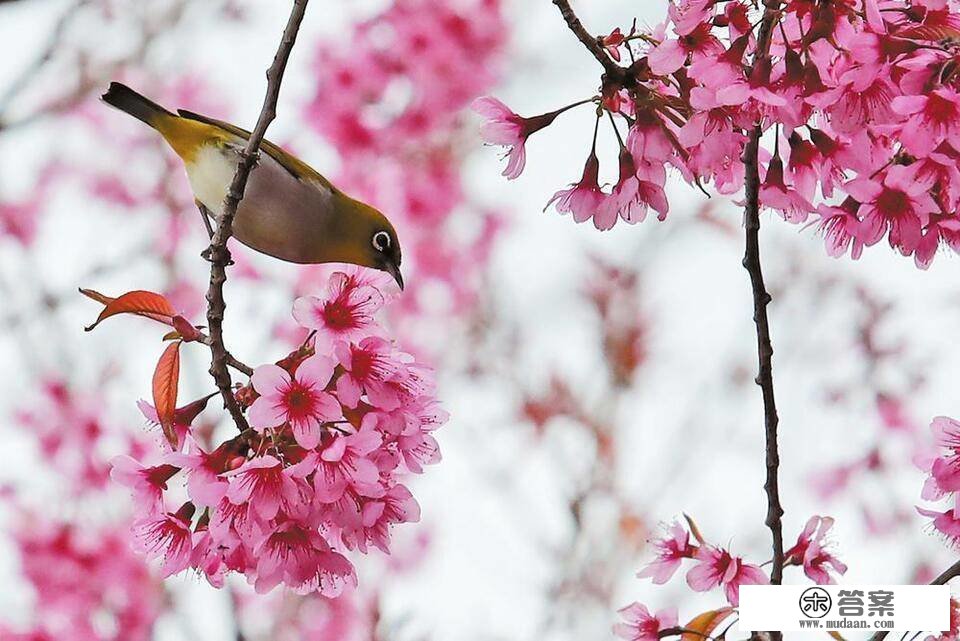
495, 506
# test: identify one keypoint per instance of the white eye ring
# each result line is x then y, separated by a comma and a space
381, 241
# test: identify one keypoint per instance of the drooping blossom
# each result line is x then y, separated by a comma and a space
582, 199
167, 537
812, 551
507, 129
147, 483
299, 557
899, 207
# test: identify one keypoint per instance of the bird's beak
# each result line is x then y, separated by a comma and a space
394, 271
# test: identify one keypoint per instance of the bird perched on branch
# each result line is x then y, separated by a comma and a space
288, 211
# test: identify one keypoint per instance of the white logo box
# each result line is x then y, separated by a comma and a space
889, 608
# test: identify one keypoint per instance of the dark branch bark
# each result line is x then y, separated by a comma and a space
761, 298
950, 573
592, 44
217, 253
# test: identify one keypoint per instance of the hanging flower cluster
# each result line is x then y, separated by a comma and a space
334, 426
858, 101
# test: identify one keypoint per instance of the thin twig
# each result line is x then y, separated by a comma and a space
217, 253
761, 298
613, 70
950, 573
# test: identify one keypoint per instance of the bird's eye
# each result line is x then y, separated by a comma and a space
381, 241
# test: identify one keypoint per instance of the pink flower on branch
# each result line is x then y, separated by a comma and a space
266, 486
167, 537
812, 552
581, 199
335, 426
718, 568
300, 399
640, 625
345, 313
864, 94
147, 483
670, 551
507, 129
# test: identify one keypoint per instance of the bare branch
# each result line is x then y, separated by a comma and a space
217, 253
761, 298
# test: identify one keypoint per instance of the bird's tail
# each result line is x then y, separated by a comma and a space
140, 107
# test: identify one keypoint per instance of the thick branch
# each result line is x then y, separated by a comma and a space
218, 254
951, 572
761, 298
613, 70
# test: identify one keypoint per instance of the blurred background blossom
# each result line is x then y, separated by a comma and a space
599, 385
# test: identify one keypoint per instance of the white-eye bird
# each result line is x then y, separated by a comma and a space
288, 211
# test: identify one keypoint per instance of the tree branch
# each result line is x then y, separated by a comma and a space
592, 44
950, 573
217, 253
761, 298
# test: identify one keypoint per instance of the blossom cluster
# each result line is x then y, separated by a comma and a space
716, 567
943, 480
857, 100
333, 428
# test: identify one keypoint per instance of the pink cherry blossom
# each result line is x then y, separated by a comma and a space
367, 367
632, 194
264, 485
812, 551
343, 463
716, 567
899, 206
932, 119
167, 537
640, 625
945, 523
299, 557
507, 129
147, 483
299, 400
840, 226
670, 550
582, 199
205, 485
345, 313
774, 193
377, 517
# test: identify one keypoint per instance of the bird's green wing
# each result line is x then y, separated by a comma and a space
299, 169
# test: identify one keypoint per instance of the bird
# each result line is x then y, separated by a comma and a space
289, 210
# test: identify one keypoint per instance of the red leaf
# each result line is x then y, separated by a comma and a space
701, 626
139, 302
165, 381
